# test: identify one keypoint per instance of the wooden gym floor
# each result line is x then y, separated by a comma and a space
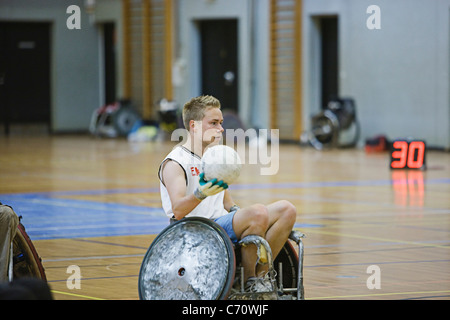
94, 203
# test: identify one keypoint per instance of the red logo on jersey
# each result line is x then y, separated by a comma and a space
195, 171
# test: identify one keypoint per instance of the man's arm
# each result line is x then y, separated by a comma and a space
228, 201
174, 179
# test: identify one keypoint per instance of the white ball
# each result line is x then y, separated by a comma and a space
221, 162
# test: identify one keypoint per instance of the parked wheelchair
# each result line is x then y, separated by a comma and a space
336, 126
194, 259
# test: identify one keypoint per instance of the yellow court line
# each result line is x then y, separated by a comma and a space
379, 294
77, 295
376, 239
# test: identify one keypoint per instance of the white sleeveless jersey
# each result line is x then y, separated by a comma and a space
211, 207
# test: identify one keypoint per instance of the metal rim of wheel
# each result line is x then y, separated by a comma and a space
192, 259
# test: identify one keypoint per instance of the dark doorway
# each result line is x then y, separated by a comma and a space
25, 66
219, 54
329, 59
109, 49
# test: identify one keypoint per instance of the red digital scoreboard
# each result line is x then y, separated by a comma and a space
407, 154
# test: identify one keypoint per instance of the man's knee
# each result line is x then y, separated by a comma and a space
288, 212
259, 219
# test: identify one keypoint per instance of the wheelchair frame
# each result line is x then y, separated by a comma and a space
22, 259
156, 280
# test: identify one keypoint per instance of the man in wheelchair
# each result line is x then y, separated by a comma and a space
185, 193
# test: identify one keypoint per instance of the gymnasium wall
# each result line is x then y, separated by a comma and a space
398, 74
188, 45
74, 60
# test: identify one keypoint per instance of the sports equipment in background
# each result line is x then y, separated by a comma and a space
336, 126
222, 163
113, 120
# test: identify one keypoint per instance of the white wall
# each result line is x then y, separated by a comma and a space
74, 59
259, 113
111, 11
398, 75
188, 52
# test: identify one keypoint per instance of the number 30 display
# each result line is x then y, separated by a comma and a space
408, 155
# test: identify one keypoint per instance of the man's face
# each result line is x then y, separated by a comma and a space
211, 127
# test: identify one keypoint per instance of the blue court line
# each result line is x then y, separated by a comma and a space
52, 218
245, 186
47, 218
47, 215
111, 244
324, 184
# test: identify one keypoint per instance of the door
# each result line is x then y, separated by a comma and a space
25, 67
219, 52
109, 49
329, 60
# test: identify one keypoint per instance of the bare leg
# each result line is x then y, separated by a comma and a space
282, 216
273, 222
252, 220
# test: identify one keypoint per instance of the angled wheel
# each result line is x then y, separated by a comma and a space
192, 259
288, 258
27, 262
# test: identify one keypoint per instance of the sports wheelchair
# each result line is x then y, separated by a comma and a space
194, 259
18, 256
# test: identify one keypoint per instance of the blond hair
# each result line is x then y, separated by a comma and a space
195, 108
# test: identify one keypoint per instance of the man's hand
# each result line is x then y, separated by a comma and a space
209, 188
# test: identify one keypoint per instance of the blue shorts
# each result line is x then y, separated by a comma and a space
226, 222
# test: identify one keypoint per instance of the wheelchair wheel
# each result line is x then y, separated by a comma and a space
26, 261
191, 259
289, 262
